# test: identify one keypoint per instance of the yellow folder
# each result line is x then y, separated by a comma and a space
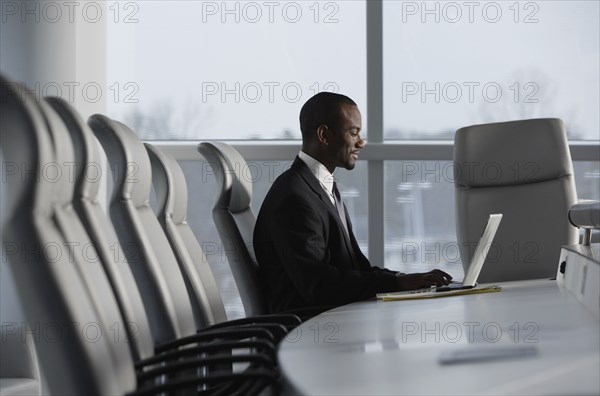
417, 295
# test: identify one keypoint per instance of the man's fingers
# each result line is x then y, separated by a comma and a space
444, 274
438, 278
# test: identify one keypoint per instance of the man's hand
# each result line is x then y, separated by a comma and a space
421, 280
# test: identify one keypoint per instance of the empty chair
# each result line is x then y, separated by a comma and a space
522, 169
235, 222
172, 197
19, 369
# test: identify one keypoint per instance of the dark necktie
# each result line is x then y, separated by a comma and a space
339, 205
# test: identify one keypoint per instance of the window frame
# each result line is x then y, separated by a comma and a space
375, 153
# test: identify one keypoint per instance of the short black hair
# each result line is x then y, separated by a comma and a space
323, 108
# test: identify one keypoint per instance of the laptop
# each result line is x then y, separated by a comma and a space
477, 260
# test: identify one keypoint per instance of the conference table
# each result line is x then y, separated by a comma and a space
532, 337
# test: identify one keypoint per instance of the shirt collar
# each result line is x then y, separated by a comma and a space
320, 171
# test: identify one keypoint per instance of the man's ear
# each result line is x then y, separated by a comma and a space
322, 133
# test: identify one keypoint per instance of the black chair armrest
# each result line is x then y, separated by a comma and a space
179, 366
237, 333
260, 376
261, 345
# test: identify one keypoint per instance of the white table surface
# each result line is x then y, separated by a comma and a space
394, 348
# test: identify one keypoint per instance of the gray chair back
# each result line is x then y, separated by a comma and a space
87, 177
235, 222
146, 247
77, 354
84, 255
172, 202
522, 169
19, 365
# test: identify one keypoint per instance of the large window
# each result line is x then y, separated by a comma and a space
233, 69
450, 64
419, 222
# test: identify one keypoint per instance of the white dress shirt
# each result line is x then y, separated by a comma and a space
322, 174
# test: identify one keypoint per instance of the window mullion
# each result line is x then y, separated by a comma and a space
375, 129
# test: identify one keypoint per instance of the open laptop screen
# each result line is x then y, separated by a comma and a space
482, 249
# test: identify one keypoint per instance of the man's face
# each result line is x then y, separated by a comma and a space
345, 142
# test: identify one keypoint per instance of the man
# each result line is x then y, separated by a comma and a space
303, 239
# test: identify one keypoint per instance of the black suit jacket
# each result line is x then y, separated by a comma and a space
305, 257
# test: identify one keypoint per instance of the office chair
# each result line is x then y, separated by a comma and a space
171, 193
65, 289
235, 222
19, 366
522, 169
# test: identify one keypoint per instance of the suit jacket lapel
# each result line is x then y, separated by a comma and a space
316, 187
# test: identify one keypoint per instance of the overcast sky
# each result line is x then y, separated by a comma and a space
445, 66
